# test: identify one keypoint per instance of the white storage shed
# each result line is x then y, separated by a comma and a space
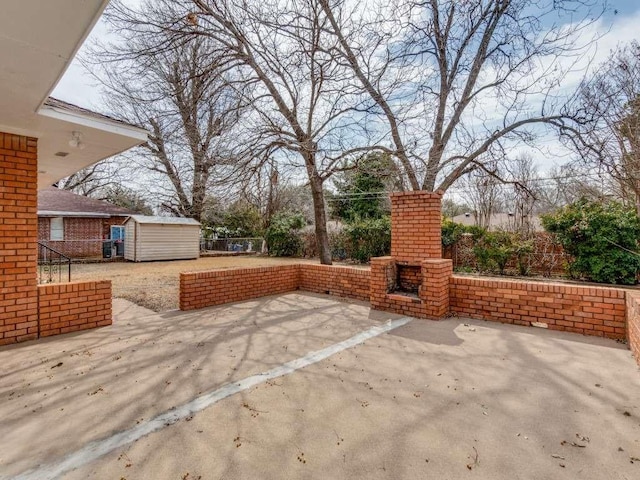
161, 238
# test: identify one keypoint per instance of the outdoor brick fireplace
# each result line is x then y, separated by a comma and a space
414, 280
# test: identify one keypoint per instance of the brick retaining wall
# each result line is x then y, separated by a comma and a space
598, 311
334, 280
69, 307
633, 323
216, 287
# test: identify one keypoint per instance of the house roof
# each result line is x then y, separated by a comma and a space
497, 221
71, 108
54, 202
163, 220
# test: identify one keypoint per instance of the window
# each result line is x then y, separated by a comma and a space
117, 232
56, 229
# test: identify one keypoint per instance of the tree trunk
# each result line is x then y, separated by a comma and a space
320, 217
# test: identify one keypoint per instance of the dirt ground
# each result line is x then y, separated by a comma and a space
155, 285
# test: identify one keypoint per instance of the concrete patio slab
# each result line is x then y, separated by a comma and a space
441, 400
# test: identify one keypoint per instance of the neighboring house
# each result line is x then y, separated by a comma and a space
500, 221
76, 225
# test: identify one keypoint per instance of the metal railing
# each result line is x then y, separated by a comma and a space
53, 266
231, 244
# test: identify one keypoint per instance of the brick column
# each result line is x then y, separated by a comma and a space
633, 322
383, 274
415, 226
18, 238
434, 292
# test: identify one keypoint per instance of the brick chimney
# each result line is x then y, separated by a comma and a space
415, 226
414, 280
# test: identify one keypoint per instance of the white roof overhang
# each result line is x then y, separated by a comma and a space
38, 41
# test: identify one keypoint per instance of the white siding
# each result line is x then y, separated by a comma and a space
153, 241
129, 240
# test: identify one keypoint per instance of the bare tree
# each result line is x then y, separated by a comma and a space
458, 81
609, 138
91, 181
304, 109
273, 189
126, 197
443, 86
188, 102
568, 183
522, 192
451, 208
483, 190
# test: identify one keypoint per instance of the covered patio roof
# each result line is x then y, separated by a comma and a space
38, 41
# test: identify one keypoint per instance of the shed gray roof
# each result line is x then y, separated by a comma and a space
163, 220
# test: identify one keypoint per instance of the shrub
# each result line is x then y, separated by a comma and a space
340, 244
523, 250
283, 235
493, 250
242, 220
451, 232
368, 238
601, 237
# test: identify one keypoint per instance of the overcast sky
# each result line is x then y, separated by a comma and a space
620, 25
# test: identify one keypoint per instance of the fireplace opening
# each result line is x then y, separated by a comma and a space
409, 278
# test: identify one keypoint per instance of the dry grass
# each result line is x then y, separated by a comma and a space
155, 285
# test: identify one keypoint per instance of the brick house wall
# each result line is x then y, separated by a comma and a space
18, 234
82, 236
77, 306
44, 226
